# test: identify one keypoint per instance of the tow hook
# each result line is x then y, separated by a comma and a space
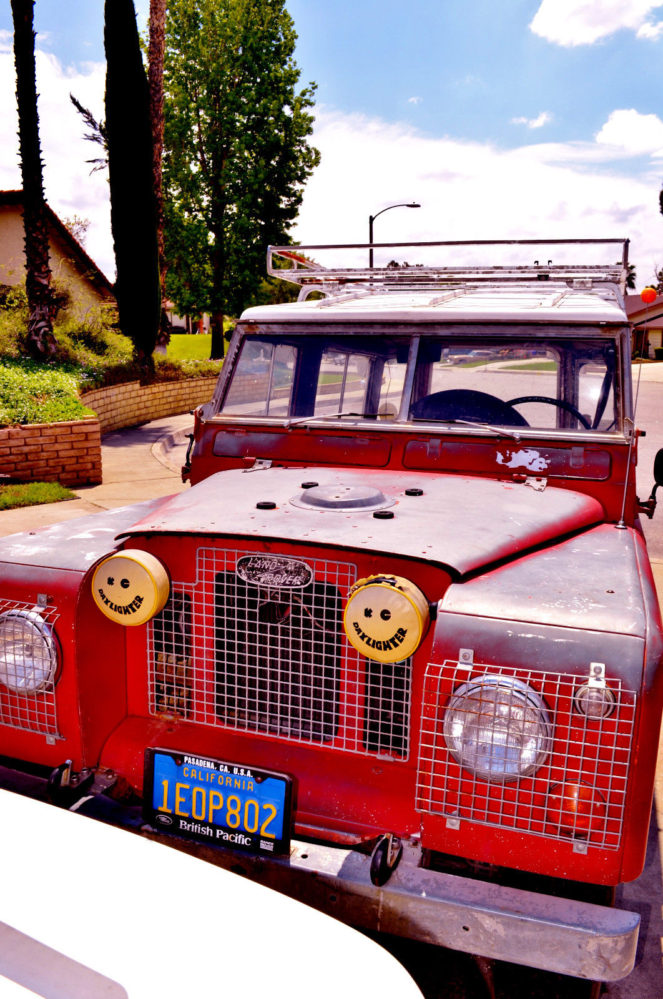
65, 787
385, 857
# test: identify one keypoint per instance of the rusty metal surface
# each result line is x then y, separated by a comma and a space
591, 581
524, 644
450, 523
473, 916
73, 544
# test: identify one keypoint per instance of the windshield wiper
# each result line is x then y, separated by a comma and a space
499, 431
328, 416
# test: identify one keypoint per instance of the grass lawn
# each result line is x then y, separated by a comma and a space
32, 494
532, 366
189, 346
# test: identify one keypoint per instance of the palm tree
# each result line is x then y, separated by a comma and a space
40, 339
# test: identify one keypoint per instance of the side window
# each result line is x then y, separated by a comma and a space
262, 381
391, 387
596, 397
342, 383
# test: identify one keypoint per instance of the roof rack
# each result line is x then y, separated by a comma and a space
303, 270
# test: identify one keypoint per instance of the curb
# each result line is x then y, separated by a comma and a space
162, 449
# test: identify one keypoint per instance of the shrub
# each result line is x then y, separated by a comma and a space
35, 393
91, 353
167, 370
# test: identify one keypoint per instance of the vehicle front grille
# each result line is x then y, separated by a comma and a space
275, 660
30, 712
590, 753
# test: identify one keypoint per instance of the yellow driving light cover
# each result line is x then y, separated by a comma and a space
130, 587
386, 618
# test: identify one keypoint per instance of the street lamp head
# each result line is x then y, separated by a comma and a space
372, 218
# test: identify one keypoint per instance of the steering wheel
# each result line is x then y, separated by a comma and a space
560, 403
469, 405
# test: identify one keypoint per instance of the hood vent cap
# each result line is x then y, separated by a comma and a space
340, 497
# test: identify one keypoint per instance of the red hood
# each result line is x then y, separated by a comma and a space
460, 522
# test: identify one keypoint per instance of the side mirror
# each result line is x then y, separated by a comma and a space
658, 469
650, 505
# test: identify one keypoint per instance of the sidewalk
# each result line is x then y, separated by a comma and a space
138, 463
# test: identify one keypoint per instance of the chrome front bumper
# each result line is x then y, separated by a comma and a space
555, 934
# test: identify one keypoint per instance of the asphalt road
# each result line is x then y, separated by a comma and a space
649, 417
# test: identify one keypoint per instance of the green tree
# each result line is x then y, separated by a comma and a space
630, 277
133, 210
96, 132
236, 155
40, 340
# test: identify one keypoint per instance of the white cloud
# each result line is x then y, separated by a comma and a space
651, 30
471, 190
467, 190
542, 119
633, 133
414, 100
583, 22
69, 187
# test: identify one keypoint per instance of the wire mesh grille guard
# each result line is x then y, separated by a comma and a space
275, 660
578, 789
29, 655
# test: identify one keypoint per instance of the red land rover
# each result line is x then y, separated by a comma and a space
396, 651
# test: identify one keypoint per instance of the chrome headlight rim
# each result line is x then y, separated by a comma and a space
594, 703
28, 678
525, 697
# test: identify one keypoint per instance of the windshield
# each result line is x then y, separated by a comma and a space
564, 383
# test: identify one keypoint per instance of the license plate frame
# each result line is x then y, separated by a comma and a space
218, 802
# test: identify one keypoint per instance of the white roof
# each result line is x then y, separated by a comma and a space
544, 301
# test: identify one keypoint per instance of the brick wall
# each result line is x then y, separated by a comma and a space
132, 403
68, 453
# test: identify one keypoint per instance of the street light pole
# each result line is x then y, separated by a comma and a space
372, 218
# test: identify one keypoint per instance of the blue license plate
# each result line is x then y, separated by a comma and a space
217, 802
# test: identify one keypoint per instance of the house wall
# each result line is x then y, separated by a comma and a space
12, 252
66, 271
655, 338
64, 268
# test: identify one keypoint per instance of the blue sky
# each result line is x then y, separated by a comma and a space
530, 118
468, 68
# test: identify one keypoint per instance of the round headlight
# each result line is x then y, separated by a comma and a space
497, 727
28, 652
